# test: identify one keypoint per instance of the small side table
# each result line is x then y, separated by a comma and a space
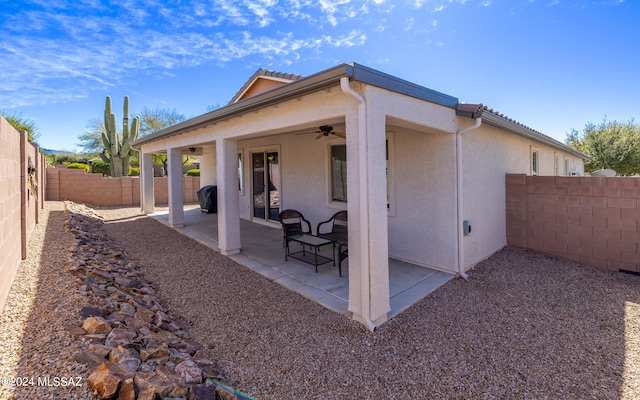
314, 242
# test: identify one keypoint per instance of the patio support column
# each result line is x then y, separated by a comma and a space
176, 202
367, 206
147, 199
228, 205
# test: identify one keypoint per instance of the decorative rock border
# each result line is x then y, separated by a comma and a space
137, 347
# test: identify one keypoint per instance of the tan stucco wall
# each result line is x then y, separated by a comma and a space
489, 153
261, 85
422, 228
421, 225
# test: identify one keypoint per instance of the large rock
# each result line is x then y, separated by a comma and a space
144, 314
201, 392
74, 331
189, 371
100, 349
123, 356
127, 309
96, 325
127, 390
89, 311
155, 352
91, 359
162, 385
105, 380
147, 394
120, 337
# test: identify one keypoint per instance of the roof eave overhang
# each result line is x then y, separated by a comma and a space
329, 77
503, 123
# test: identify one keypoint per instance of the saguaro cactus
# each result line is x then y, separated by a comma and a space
117, 149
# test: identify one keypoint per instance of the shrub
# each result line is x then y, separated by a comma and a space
79, 166
193, 172
100, 167
70, 159
134, 171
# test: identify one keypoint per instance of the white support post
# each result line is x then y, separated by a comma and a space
367, 206
228, 206
176, 202
147, 197
377, 215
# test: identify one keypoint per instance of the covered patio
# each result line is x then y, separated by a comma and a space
263, 253
269, 152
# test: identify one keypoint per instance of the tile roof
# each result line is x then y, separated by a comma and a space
513, 121
267, 73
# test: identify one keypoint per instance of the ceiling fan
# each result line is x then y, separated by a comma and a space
326, 130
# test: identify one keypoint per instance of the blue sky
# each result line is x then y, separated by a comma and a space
553, 65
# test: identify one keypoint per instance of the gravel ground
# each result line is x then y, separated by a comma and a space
35, 348
522, 326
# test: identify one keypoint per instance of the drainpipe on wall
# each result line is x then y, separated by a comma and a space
459, 198
364, 204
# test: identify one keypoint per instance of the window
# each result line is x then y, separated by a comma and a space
339, 173
535, 161
338, 177
240, 187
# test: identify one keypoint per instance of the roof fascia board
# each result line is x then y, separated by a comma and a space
500, 122
313, 82
282, 93
380, 79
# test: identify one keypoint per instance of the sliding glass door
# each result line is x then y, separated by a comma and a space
266, 185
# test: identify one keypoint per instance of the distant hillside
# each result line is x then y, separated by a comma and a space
58, 152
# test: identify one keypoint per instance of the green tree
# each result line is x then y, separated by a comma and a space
18, 121
156, 119
91, 140
611, 144
151, 120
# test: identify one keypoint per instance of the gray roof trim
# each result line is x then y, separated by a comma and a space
385, 81
313, 82
519, 129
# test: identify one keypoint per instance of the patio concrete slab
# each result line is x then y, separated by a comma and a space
263, 252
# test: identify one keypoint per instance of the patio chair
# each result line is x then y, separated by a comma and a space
292, 225
336, 229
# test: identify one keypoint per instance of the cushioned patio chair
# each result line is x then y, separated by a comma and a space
292, 224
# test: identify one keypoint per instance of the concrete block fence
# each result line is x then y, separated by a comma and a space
591, 220
95, 190
21, 200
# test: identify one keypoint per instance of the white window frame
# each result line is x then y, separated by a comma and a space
534, 161
241, 162
331, 203
390, 166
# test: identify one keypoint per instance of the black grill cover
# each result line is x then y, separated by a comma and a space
208, 198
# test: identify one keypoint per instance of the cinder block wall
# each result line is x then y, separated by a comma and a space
591, 220
95, 190
21, 200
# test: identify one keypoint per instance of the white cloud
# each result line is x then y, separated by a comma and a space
409, 24
65, 49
